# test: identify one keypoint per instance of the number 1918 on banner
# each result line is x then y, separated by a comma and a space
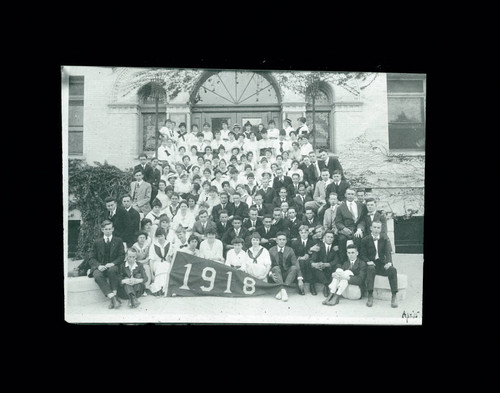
209, 274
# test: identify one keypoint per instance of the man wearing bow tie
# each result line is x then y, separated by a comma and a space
376, 251
373, 214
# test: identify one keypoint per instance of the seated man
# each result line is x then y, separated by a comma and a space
236, 231
352, 272
133, 278
253, 221
202, 225
310, 219
330, 212
292, 223
324, 262
376, 251
223, 225
267, 232
106, 257
284, 266
372, 214
303, 248
350, 222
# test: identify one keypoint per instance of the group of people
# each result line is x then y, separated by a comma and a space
262, 201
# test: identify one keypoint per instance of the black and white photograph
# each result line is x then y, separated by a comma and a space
243, 196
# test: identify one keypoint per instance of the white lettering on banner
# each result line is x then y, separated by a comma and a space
186, 276
229, 277
210, 279
248, 282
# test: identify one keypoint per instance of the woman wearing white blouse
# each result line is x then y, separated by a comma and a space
162, 196
211, 248
236, 257
295, 169
184, 218
258, 263
160, 258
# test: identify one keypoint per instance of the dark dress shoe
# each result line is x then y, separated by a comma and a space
327, 300
326, 291
394, 301
334, 300
369, 302
116, 302
312, 288
111, 303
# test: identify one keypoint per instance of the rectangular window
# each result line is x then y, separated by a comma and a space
75, 115
406, 112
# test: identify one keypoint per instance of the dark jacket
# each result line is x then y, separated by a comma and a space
344, 218
98, 257
367, 251
340, 189
121, 223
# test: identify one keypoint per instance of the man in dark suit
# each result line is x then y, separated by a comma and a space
341, 279
338, 186
223, 225
310, 219
202, 226
372, 214
120, 219
155, 178
330, 163
292, 223
302, 248
282, 197
267, 232
262, 209
300, 200
294, 187
310, 176
106, 257
239, 208
267, 192
281, 181
235, 231
147, 170
223, 205
134, 219
350, 222
253, 221
376, 251
285, 268
324, 262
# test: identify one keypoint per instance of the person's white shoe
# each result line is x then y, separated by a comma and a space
144, 294
278, 295
284, 295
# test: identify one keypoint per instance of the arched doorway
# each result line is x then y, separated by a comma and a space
237, 97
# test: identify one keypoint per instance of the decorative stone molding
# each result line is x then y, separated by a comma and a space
129, 108
347, 106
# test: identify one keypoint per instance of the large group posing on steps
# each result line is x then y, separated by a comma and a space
262, 200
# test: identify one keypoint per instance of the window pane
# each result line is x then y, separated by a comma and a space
322, 125
75, 142
403, 110
75, 113
76, 85
321, 99
148, 122
405, 86
406, 136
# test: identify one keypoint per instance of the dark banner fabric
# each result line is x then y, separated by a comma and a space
194, 276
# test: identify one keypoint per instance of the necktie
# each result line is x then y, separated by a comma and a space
327, 250
352, 210
304, 242
281, 147
135, 190
107, 240
267, 230
352, 264
280, 257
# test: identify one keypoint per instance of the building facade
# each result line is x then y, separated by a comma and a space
378, 134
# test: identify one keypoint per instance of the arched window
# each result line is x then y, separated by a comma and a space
147, 123
236, 97
322, 119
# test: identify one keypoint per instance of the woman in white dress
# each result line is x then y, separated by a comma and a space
162, 196
183, 186
160, 259
211, 248
295, 169
184, 218
252, 145
259, 261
